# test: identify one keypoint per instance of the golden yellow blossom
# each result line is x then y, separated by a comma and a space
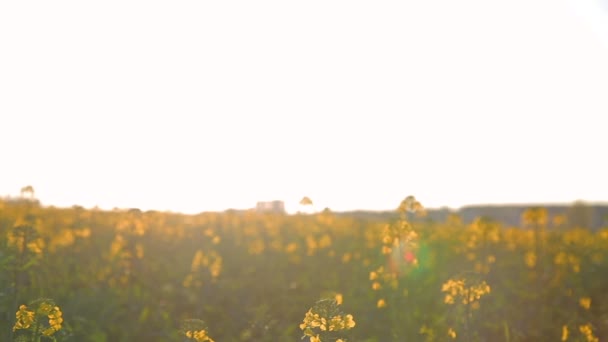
530, 259
467, 294
325, 316
199, 336
585, 302
339, 298
587, 331
25, 318
196, 329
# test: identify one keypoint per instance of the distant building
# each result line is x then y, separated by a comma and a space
277, 207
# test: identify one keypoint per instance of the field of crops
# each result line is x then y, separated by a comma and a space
90, 275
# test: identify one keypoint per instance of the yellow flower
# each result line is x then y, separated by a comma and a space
55, 320
387, 240
564, 333
451, 333
48, 331
331, 319
199, 336
585, 302
350, 322
323, 325
530, 259
467, 294
195, 329
588, 332
381, 303
25, 318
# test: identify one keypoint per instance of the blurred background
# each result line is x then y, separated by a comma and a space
206, 106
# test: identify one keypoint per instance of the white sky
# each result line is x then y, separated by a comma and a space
207, 105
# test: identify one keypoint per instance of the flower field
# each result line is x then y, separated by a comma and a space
125, 275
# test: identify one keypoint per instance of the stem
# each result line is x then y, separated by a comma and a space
467, 316
36, 335
19, 267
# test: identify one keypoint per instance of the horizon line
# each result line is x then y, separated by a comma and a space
253, 208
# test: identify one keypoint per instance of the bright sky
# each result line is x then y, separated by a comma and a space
207, 105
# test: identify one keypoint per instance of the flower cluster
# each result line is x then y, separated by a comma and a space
199, 336
25, 318
212, 261
467, 294
312, 320
534, 216
325, 320
55, 317
196, 329
585, 303
42, 309
25, 238
587, 331
397, 235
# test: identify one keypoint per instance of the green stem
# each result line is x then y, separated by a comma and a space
36, 335
467, 316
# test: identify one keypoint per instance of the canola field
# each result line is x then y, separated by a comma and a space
75, 274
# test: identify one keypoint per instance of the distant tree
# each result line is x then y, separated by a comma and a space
27, 190
306, 205
580, 215
305, 201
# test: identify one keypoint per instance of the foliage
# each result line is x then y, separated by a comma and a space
128, 275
